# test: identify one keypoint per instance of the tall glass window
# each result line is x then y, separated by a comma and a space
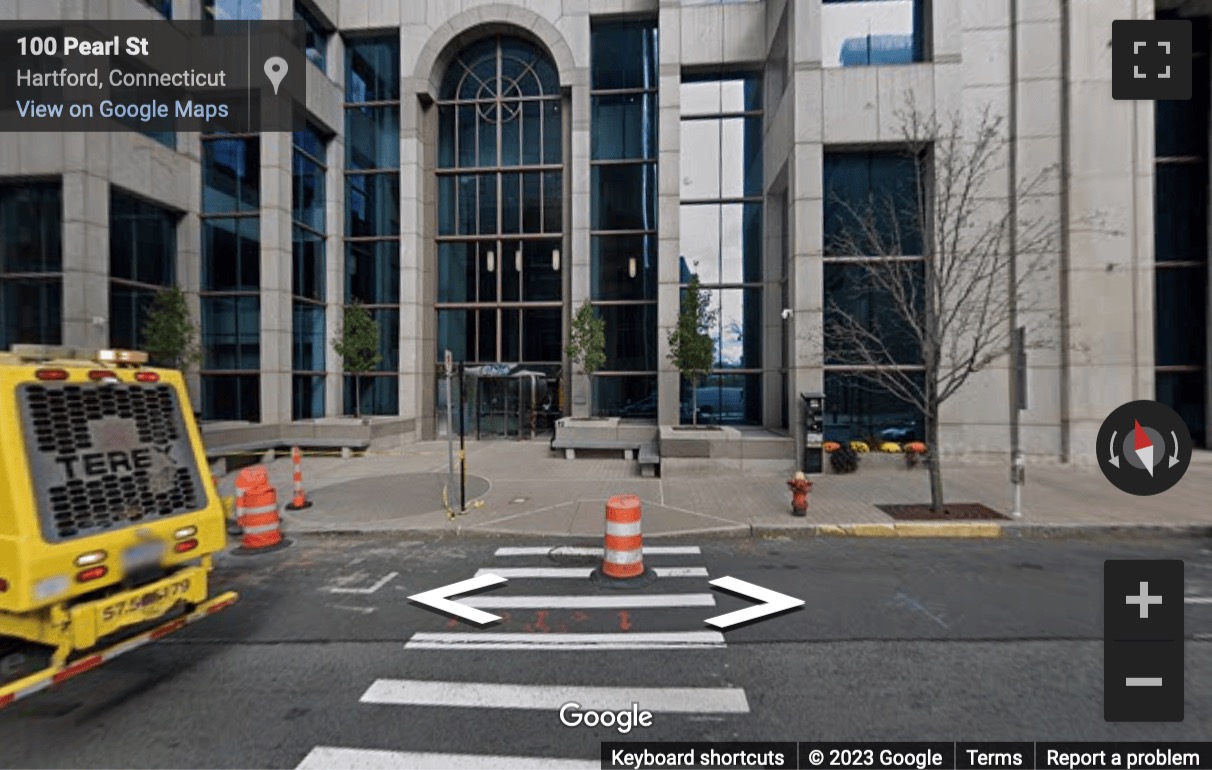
142, 263
315, 35
31, 263
501, 207
372, 208
1180, 231
309, 164
721, 237
623, 239
865, 32
231, 277
859, 189
231, 10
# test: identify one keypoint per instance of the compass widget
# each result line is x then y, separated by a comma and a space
1144, 448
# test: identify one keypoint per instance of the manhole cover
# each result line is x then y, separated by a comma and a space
951, 512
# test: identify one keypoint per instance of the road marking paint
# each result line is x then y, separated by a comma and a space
378, 584
652, 550
621, 601
672, 700
516, 573
1199, 600
324, 757
351, 608
672, 640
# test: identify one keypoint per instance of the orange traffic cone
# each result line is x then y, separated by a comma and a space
300, 501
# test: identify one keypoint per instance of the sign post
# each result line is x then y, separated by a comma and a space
448, 366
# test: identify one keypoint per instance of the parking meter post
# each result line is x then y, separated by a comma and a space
448, 367
814, 432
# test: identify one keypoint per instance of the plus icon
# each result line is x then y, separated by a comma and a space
1151, 59
1144, 600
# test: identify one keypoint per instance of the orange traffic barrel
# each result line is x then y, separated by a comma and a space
257, 515
624, 553
300, 501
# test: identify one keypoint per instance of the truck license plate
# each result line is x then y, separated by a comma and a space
142, 556
142, 606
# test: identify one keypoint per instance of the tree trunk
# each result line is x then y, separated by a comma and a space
935, 467
358, 396
694, 402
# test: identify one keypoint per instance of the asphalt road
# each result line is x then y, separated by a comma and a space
898, 640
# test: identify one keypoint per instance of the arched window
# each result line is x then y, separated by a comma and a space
500, 206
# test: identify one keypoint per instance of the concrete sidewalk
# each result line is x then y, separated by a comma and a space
522, 488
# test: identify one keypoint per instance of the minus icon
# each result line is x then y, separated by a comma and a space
1144, 681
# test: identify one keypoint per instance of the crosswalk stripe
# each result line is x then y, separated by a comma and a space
649, 550
673, 700
619, 601
583, 572
326, 757
670, 640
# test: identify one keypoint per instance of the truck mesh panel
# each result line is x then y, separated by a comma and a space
107, 456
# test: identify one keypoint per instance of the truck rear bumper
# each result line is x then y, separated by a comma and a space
54, 675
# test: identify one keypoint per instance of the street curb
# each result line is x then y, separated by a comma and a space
982, 530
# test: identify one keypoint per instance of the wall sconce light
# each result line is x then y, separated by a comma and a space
517, 260
631, 267
491, 262
555, 259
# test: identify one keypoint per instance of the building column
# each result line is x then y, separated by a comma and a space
334, 246
277, 262
669, 191
416, 354
578, 261
85, 201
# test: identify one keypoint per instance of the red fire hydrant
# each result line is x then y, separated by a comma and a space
799, 485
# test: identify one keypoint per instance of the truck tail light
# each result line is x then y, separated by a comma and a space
147, 376
51, 374
185, 545
3, 585
92, 557
92, 573
97, 375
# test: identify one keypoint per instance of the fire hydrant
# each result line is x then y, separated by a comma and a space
799, 485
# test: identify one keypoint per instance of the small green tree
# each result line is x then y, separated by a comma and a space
358, 347
691, 348
587, 341
169, 334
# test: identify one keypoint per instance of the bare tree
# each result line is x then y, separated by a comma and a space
937, 267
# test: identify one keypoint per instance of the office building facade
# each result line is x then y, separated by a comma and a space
473, 172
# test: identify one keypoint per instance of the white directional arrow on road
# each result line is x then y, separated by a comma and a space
774, 602
439, 599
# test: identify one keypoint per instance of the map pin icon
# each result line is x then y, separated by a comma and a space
275, 68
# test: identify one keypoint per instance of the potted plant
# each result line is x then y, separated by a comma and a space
915, 452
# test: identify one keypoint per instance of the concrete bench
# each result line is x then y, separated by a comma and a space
267, 447
650, 459
570, 446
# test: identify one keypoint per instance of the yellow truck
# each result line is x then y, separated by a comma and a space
109, 518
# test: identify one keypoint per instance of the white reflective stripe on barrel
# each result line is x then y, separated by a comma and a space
272, 508
261, 530
623, 557
622, 530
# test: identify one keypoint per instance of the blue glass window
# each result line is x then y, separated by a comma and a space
315, 36
623, 55
854, 297
308, 338
309, 265
231, 249
499, 176
372, 205
231, 397
871, 204
372, 69
372, 138
859, 409
1185, 393
231, 175
232, 10
142, 260
724, 398
624, 267
307, 396
625, 126
632, 396
162, 7
624, 197
31, 305
231, 332
372, 272
867, 32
